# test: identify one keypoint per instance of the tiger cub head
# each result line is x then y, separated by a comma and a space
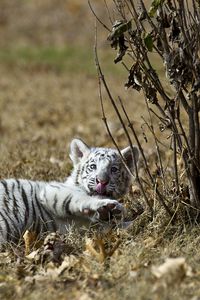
101, 171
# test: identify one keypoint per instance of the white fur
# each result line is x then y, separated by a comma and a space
41, 206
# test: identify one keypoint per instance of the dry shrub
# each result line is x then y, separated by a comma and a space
164, 35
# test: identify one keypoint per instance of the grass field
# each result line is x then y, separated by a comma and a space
48, 95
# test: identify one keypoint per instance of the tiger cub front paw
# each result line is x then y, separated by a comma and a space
108, 209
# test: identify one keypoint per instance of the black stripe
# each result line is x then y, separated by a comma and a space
55, 203
66, 204
6, 195
15, 229
31, 186
42, 210
34, 220
18, 185
55, 186
97, 152
44, 216
6, 224
25, 200
49, 221
15, 204
1, 232
77, 175
37, 208
5, 184
38, 205
49, 215
91, 180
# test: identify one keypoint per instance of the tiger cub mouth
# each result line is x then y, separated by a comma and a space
101, 188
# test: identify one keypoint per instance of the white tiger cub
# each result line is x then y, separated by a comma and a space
99, 177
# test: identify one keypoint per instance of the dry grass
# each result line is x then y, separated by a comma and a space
47, 99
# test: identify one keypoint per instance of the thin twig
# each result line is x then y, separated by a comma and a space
145, 162
156, 144
175, 163
97, 18
108, 12
179, 52
102, 79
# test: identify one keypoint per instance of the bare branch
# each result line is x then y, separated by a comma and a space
97, 18
170, 29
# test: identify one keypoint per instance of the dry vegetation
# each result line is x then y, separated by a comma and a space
48, 95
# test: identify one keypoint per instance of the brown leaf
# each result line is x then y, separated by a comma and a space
173, 270
29, 240
97, 248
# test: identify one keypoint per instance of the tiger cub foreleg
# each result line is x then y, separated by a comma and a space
64, 201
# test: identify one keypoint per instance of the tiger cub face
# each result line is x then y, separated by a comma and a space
101, 171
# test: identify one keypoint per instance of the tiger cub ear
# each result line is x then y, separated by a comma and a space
128, 156
78, 150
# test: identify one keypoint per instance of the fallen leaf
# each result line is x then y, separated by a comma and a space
68, 263
29, 240
152, 242
5, 257
136, 191
85, 297
173, 270
97, 248
32, 255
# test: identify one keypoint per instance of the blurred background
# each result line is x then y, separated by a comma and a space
49, 87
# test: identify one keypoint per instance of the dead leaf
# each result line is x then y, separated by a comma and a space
29, 240
85, 297
32, 255
5, 257
136, 191
173, 270
152, 242
96, 247
68, 263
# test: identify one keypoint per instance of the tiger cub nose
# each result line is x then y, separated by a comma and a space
102, 181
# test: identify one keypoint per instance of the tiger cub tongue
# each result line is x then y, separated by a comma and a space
101, 188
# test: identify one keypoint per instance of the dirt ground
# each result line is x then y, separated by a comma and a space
48, 95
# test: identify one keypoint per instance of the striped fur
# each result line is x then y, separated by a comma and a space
99, 177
